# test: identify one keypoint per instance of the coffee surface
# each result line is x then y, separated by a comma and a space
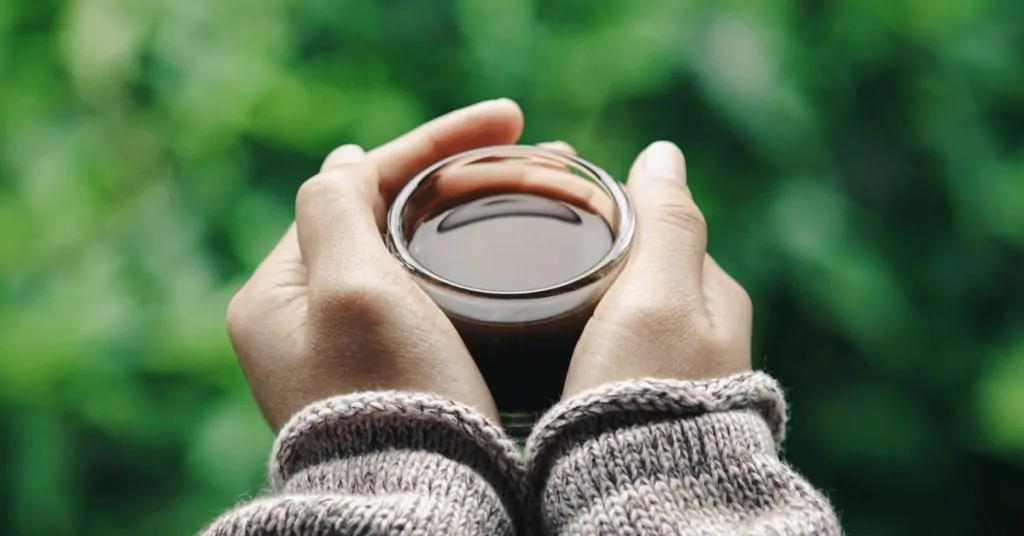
511, 242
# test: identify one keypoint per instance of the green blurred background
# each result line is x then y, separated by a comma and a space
860, 162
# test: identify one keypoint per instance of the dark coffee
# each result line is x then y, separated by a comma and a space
511, 242
516, 242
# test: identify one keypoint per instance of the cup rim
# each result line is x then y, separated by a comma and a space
396, 239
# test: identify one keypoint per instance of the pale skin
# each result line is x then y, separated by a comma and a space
330, 312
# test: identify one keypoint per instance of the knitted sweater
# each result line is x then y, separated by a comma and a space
647, 457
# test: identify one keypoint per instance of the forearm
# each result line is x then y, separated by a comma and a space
386, 463
671, 457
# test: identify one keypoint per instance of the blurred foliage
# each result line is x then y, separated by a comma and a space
861, 163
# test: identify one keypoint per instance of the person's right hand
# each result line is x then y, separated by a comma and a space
673, 312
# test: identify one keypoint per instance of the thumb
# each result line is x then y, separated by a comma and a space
671, 231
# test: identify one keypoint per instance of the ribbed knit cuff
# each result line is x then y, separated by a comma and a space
670, 457
633, 403
381, 463
630, 400
372, 424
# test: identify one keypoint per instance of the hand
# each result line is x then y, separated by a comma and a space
330, 311
672, 312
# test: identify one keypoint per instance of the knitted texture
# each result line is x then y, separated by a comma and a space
386, 463
653, 457
646, 457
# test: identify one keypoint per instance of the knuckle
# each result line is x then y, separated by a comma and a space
348, 297
741, 304
655, 313
237, 314
743, 324
668, 314
733, 327
743, 300
313, 191
718, 340
342, 187
737, 295
685, 217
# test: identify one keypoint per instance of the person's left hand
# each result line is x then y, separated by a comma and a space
330, 311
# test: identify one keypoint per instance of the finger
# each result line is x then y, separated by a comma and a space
731, 314
671, 232
284, 261
275, 282
334, 218
545, 178
727, 302
502, 177
586, 193
559, 146
495, 122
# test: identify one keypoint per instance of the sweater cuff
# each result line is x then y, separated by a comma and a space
369, 424
754, 400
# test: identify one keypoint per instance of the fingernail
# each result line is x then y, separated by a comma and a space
663, 159
348, 154
559, 146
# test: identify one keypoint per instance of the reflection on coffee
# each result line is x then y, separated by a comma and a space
516, 242
511, 242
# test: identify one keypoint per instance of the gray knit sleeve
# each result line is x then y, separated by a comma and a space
386, 463
653, 457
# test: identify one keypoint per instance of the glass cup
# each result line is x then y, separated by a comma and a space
516, 244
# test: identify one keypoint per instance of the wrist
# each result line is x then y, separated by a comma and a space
746, 410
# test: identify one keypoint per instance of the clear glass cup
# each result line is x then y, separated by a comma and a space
520, 317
